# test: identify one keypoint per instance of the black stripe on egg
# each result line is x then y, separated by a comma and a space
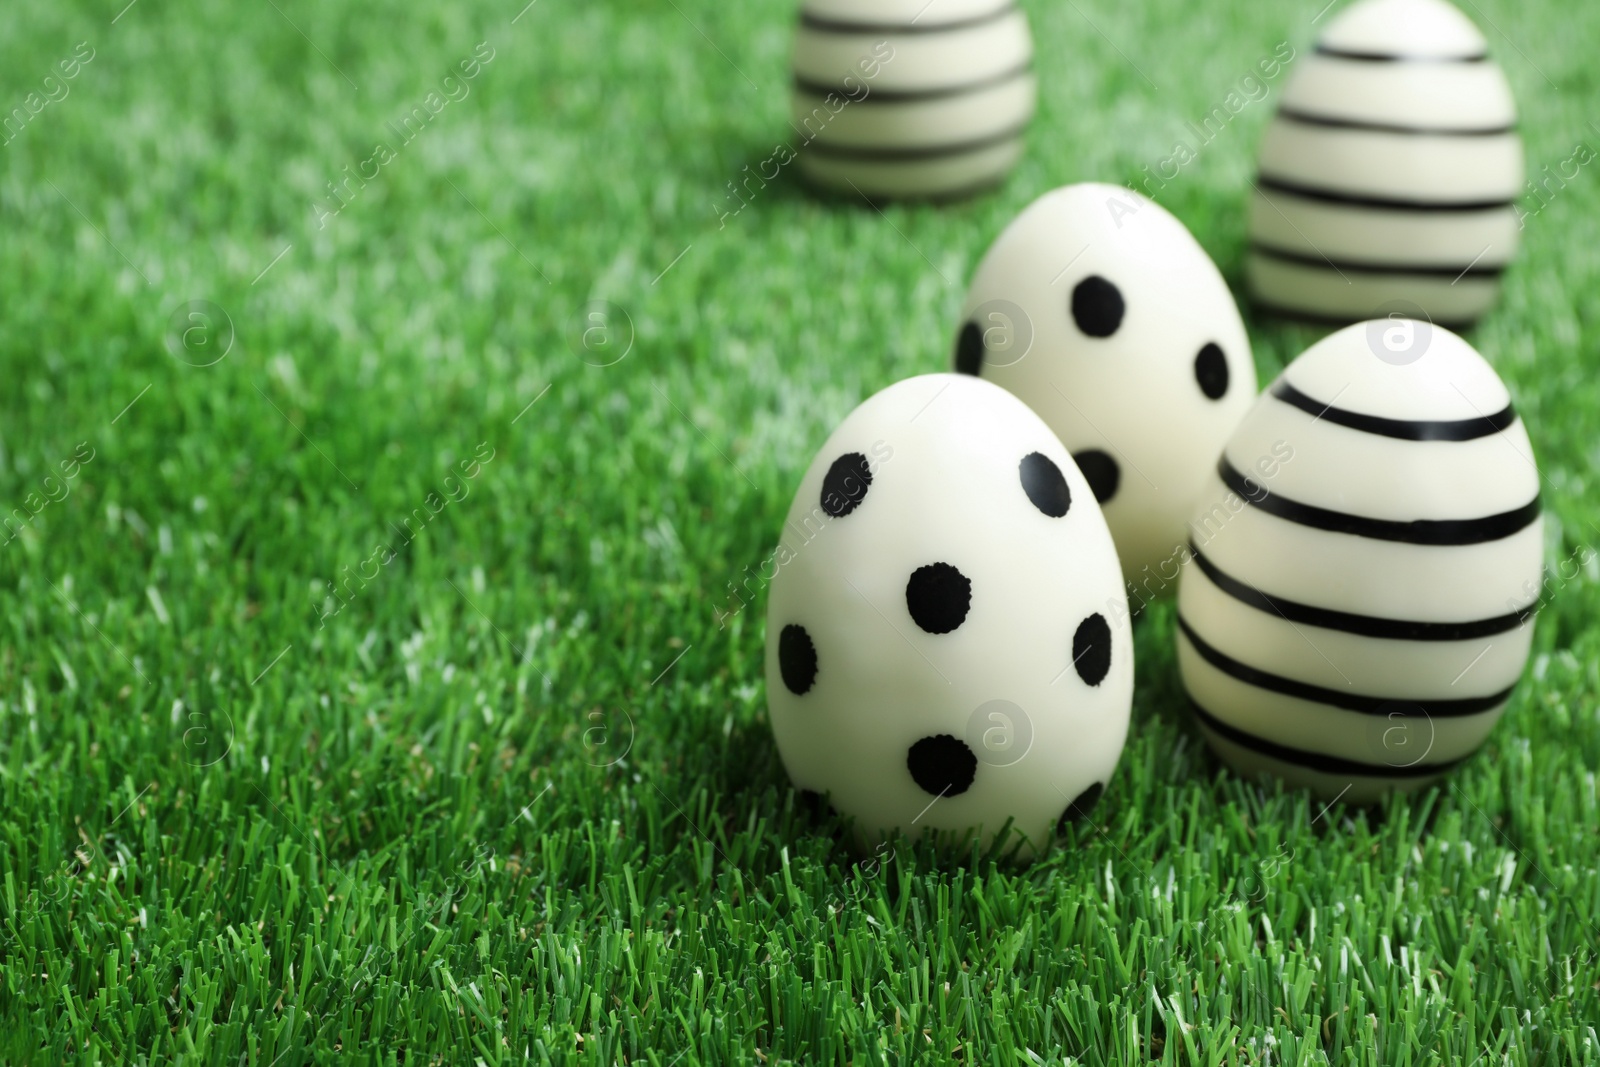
914, 153
1349, 622
1403, 429
1375, 202
1337, 698
912, 96
1414, 531
1352, 266
822, 24
1336, 122
1317, 761
1358, 56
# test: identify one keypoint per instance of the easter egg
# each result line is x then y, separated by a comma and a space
1388, 175
1353, 615
947, 645
906, 98
1097, 308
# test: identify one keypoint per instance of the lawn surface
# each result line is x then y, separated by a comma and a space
517, 797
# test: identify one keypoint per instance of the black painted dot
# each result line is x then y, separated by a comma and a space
1101, 471
1211, 371
942, 765
845, 485
1045, 485
969, 350
1097, 306
1080, 808
797, 659
938, 597
1091, 649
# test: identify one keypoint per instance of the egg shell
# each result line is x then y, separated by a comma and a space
1354, 615
1131, 399
912, 100
1033, 676
1388, 175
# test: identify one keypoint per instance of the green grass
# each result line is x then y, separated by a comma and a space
518, 798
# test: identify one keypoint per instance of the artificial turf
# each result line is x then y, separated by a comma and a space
517, 797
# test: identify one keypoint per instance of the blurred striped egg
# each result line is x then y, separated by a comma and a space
1387, 177
1353, 614
911, 98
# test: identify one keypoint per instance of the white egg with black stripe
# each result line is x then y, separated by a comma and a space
911, 98
940, 654
1099, 309
1353, 616
1388, 175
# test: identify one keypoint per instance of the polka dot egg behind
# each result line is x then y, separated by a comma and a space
1102, 312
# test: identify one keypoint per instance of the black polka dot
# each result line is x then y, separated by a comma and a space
938, 597
1211, 371
1091, 649
1080, 808
797, 659
1097, 306
942, 765
969, 350
845, 485
1101, 471
1045, 485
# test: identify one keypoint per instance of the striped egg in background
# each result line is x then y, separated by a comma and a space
1353, 614
1389, 172
911, 98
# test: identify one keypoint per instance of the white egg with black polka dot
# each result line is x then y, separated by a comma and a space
948, 647
1102, 312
